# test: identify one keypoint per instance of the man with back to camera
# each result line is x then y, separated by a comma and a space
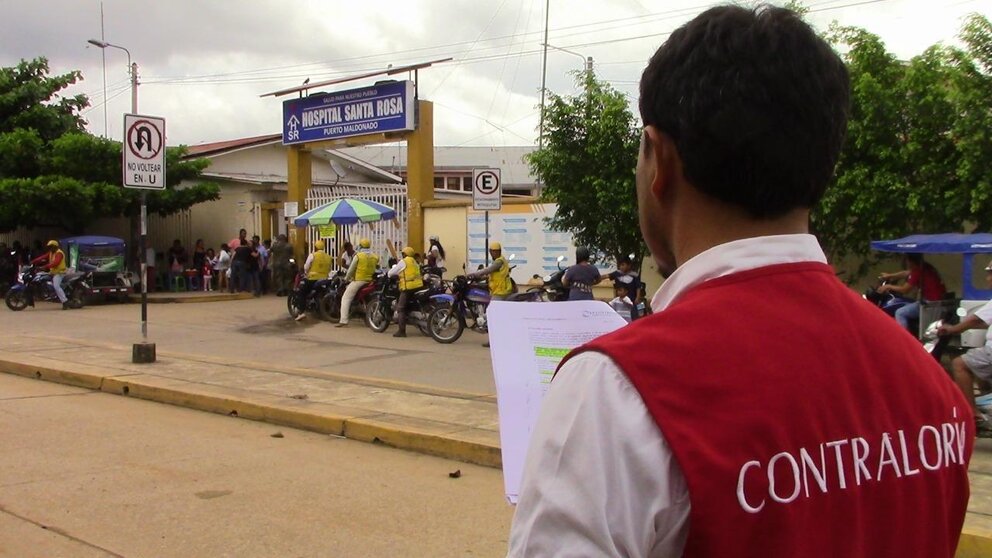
723, 424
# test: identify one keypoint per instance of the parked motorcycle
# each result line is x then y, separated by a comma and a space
554, 291
381, 307
311, 305
33, 284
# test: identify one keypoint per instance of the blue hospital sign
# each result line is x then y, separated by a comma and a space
385, 107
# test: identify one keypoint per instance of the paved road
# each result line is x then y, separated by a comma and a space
89, 474
261, 331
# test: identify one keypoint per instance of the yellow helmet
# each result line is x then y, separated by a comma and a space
364, 243
54, 243
318, 245
495, 246
408, 251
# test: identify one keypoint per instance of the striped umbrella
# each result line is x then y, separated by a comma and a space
346, 211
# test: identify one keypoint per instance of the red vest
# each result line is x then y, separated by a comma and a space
805, 421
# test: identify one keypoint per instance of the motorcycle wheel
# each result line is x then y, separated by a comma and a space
445, 325
292, 306
330, 308
375, 315
76, 298
16, 300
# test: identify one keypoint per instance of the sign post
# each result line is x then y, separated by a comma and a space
144, 169
487, 194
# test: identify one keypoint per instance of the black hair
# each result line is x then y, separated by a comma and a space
756, 104
440, 249
914, 257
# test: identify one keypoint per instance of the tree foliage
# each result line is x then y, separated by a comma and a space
586, 166
54, 173
918, 155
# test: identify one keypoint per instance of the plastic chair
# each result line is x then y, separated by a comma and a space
178, 283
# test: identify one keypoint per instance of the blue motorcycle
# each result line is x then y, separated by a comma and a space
33, 284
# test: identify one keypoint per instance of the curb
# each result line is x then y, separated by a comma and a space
190, 298
974, 544
394, 431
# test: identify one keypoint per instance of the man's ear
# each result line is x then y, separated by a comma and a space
663, 156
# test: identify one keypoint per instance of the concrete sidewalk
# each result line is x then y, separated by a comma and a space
450, 424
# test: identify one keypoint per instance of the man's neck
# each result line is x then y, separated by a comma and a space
710, 224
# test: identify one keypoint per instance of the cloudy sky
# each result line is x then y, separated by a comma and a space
204, 63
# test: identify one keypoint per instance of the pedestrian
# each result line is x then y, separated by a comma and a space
199, 258
222, 267
255, 267
630, 280
435, 253
281, 253
241, 263
264, 255
209, 261
727, 424
347, 254
581, 277
411, 280
360, 272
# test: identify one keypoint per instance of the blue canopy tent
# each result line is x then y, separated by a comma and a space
968, 245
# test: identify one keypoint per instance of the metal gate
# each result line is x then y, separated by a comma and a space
392, 195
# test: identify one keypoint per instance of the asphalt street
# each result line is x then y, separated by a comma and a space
260, 331
89, 474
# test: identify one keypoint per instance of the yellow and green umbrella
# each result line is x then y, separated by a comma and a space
346, 211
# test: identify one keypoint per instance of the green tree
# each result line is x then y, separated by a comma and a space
586, 166
54, 173
917, 149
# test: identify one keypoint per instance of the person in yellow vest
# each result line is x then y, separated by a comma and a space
408, 271
317, 267
363, 265
500, 285
53, 261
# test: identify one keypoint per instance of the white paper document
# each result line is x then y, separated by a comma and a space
527, 341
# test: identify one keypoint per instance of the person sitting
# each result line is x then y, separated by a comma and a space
500, 284
581, 277
53, 261
921, 278
411, 280
359, 273
976, 364
317, 267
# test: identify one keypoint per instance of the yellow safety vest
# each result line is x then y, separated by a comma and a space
411, 279
60, 268
499, 280
365, 266
320, 266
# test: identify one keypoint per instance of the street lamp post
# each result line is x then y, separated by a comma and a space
586, 59
145, 352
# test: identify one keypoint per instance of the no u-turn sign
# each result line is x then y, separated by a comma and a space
144, 152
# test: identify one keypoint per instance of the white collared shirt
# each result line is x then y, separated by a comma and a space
600, 478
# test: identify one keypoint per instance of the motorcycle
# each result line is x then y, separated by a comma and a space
330, 304
888, 302
553, 290
311, 305
381, 306
470, 298
35, 284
